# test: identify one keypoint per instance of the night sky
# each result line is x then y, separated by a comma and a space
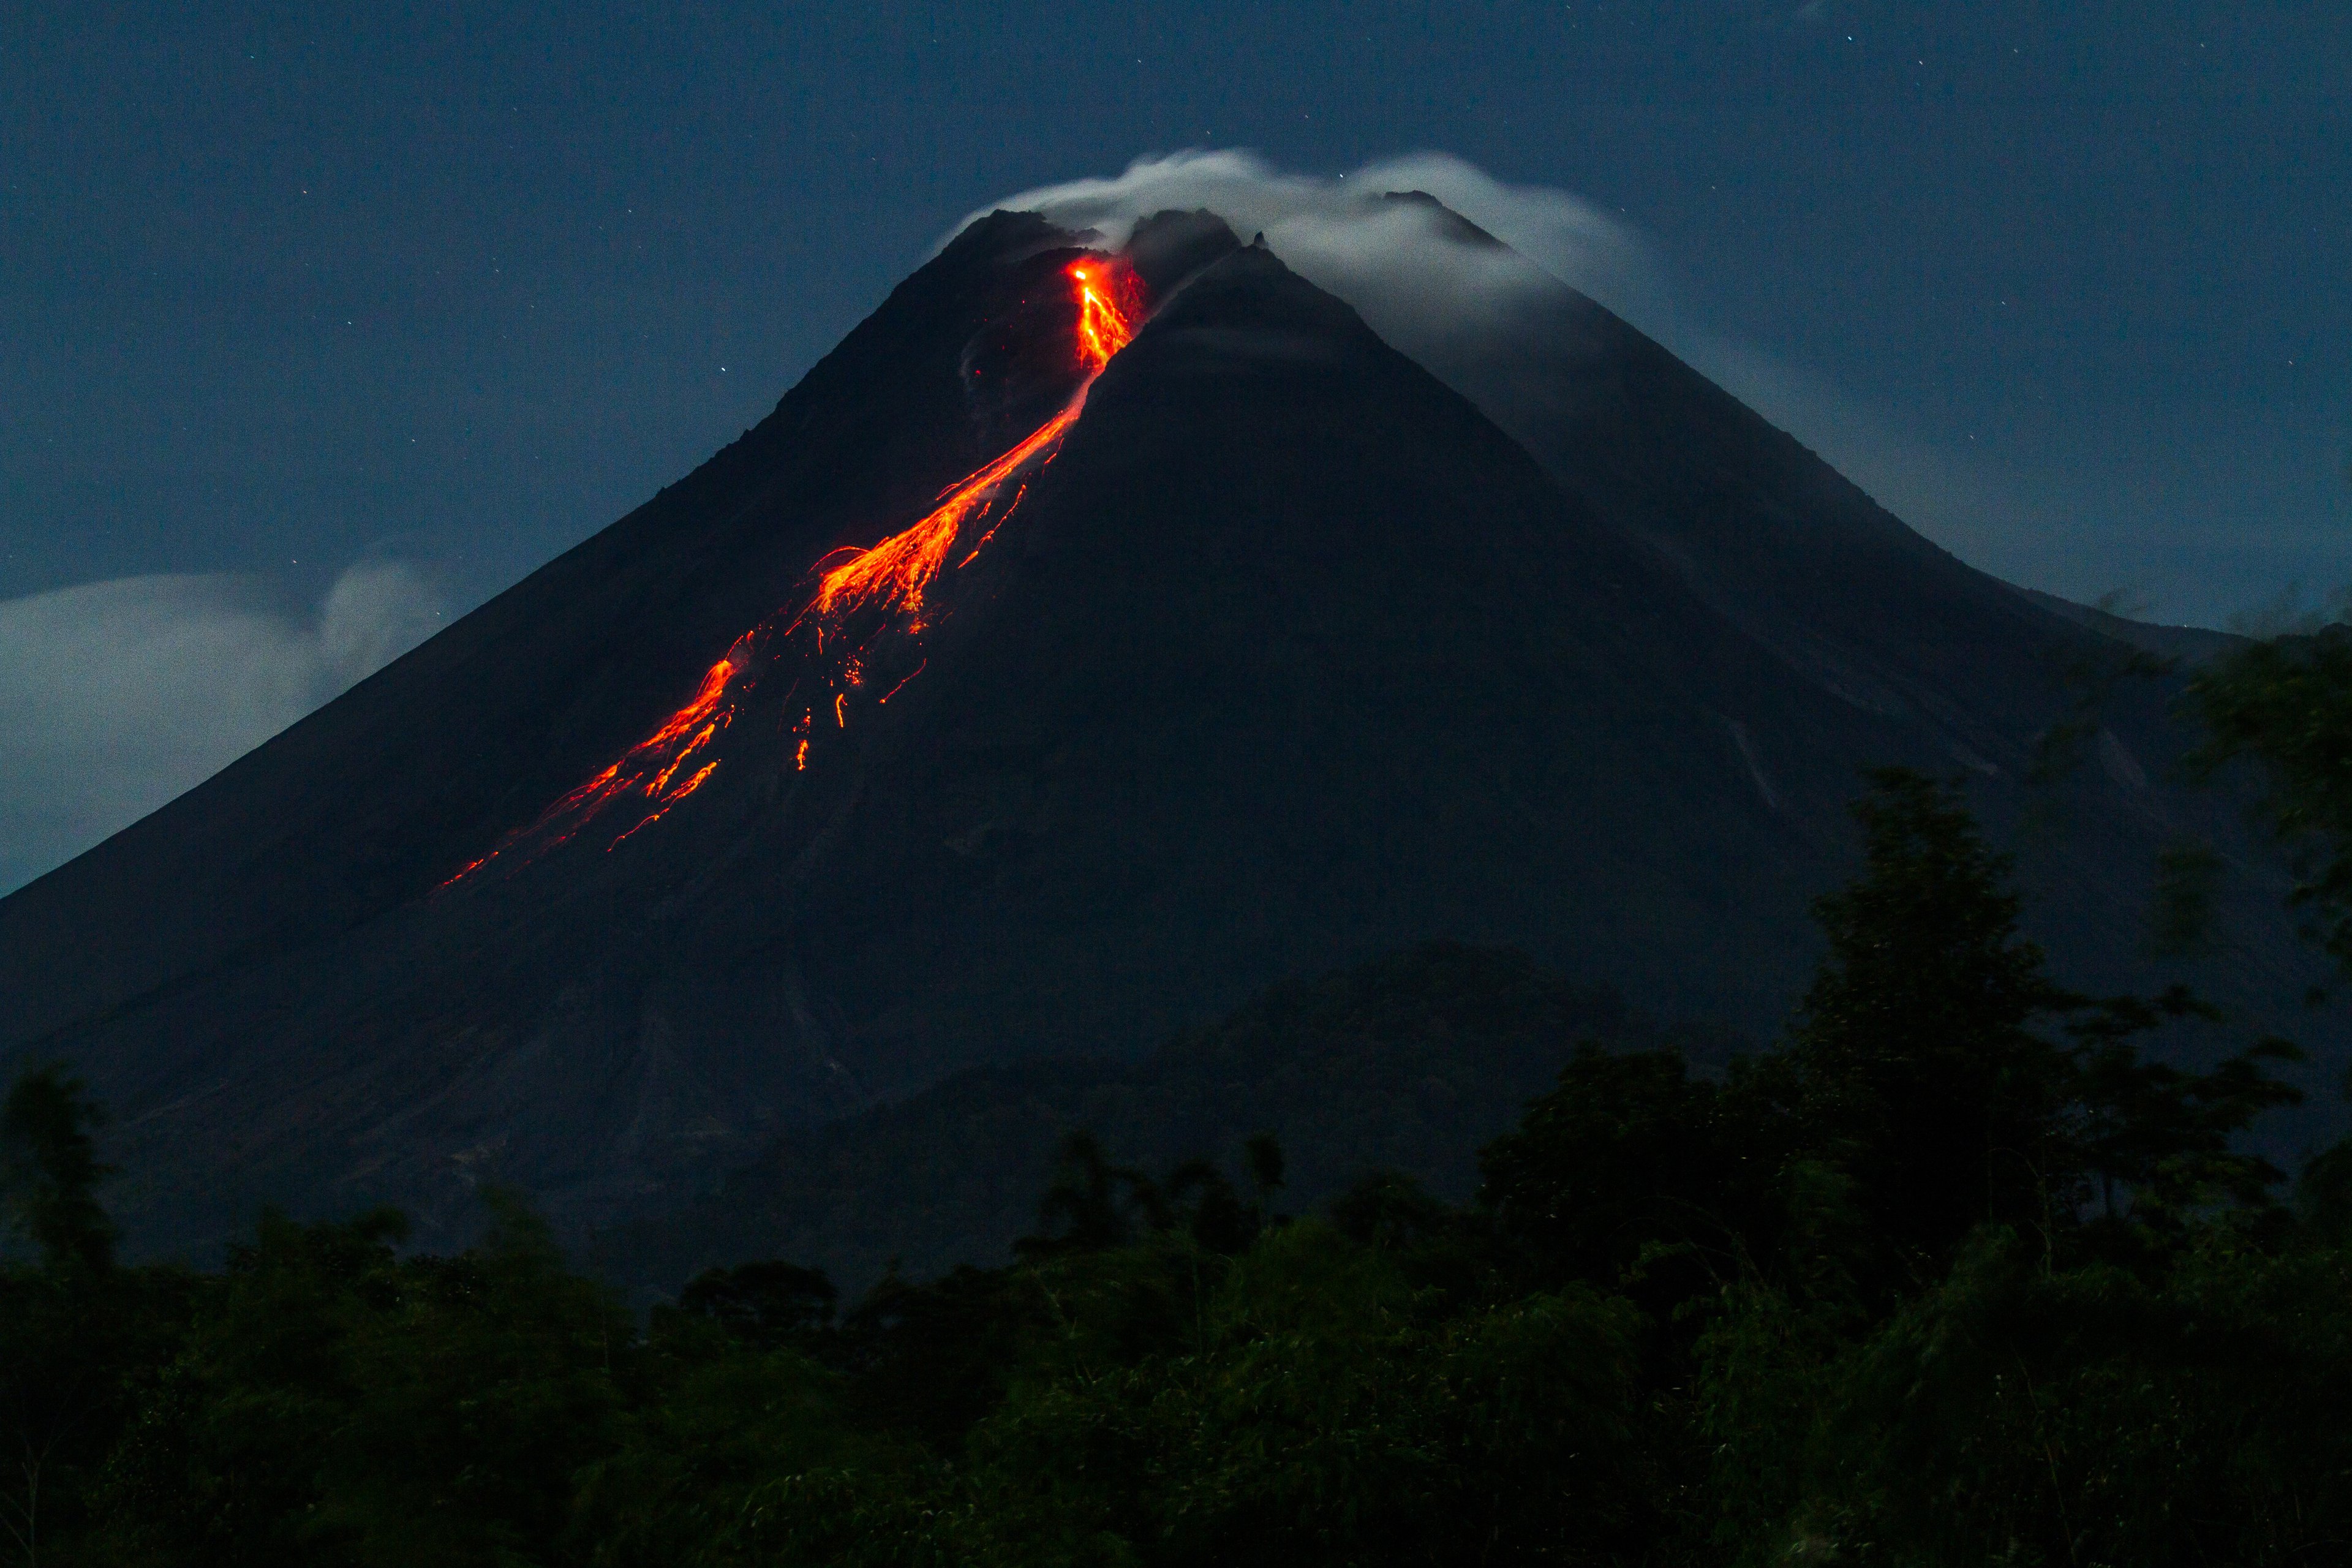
433, 292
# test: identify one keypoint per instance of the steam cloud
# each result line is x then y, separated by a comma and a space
1401, 265
117, 695
1441, 297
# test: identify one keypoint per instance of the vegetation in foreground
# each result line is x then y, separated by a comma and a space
1956, 1274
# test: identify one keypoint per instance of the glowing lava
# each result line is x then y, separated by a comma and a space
896, 572
1110, 304
858, 600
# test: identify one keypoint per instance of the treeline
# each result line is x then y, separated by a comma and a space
1956, 1273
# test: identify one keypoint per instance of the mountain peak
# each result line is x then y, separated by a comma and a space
1084, 644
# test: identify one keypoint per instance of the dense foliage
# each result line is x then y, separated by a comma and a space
1957, 1274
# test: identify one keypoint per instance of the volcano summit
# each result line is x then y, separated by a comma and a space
1094, 637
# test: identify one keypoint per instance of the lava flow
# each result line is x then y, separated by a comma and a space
861, 597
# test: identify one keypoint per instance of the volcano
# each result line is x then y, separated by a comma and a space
1094, 637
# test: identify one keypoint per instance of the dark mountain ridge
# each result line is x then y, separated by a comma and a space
1291, 656
1410, 1062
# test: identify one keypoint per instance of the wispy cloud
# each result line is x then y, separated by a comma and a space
117, 695
1436, 293
1379, 255
2076, 522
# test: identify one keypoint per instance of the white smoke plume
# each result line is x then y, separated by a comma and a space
1439, 296
1392, 260
117, 695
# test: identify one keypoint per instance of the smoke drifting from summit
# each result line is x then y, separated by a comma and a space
1406, 267
1437, 291
1442, 292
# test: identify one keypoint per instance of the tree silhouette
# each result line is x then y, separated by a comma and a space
51, 1171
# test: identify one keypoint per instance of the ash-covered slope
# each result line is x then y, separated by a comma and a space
2058, 716
1289, 655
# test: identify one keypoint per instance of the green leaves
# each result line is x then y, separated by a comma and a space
331, 1401
2089, 1416
1333, 1413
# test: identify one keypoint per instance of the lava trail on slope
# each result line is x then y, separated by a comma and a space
864, 601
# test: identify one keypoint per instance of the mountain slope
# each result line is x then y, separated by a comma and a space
1410, 1062
1281, 654
2069, 753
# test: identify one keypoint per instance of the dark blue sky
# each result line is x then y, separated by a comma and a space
286, 287
293, 284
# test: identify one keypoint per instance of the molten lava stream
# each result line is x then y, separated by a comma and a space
881, 589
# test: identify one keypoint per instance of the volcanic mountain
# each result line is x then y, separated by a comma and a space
1092, 638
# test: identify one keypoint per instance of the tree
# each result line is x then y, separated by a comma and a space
55, 1376
49, 1165
2285, 705
768, 1303
1627, 1155
79, 1335
1093, 1204
1918, 1069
